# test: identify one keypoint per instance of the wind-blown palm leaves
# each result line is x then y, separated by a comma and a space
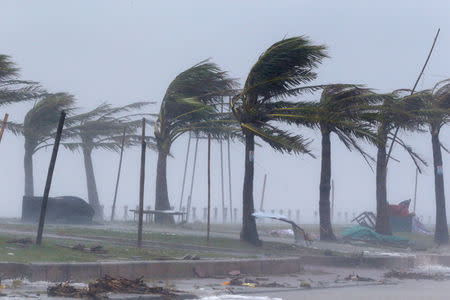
436, 103
12, 89
39, 128
277, 74
395, 111
101, 128
344, 110
188, 105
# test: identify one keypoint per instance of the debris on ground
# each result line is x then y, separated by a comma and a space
98, 249
361, 233
415, 275
248, 282
190, 257
354, 277
21, 242
97, 289
305, 284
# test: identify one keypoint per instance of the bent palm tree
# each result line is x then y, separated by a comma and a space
100, 128
188, 105
437, 107
39, 128
343, 110
12, 89
406, 114
277, 74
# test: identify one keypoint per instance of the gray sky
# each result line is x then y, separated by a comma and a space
123, 51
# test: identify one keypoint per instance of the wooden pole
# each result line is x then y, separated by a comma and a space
3, 126
141, 185
261, 206
332, 200
48, 183
118, 176
185, 169
415, 189
221, 171
192, 181
209, 188
412, 91
229, 175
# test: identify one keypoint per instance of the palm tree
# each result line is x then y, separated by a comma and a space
344, 110
277, 74
188, 105
39, 128
12, 89
395, 111
437, 106
100, 128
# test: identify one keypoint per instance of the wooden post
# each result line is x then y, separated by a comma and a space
118, 176
332, 200
209, 188
141, 185
415, 189
49, 178
192, 180
412, 92
261, 206
3, 126
185, 169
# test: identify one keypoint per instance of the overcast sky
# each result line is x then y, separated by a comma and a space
124, 51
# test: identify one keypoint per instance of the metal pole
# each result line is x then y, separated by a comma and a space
3, 126
261, 206
412, 92
49, 177
118, 176
141, 185
209, 188
185, 168
415, 189
192, 180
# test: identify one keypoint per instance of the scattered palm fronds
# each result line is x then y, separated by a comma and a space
415, 275
98, 249
97, 289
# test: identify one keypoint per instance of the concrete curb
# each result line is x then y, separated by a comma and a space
202, 268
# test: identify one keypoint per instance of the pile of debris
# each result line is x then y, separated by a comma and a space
416, 275
98, 249
99, 288
238, 280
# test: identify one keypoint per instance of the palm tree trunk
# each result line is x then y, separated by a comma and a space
28, 168
441, 230
91, 185
249, 232
326, 230
162, 196
383, 225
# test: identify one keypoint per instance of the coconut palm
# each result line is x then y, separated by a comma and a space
39, 128
12, 89
188, 105
100, 128
345, 111
437, 106
279, 73
395, 111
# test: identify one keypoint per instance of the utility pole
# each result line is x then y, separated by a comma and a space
49, 177
262, 195
141, 185
3, 126
118, 176
209, 188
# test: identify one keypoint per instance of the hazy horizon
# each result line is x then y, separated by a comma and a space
126, 51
